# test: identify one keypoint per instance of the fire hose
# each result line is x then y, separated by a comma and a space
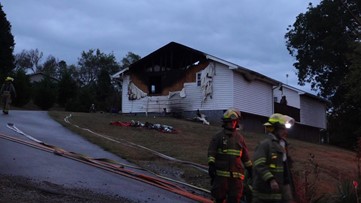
105, 164
131, 144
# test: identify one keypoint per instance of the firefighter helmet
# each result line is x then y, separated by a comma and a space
231, 114
280, 120
9, 79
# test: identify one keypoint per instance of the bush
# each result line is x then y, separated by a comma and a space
44, 94
23, 89
82, 102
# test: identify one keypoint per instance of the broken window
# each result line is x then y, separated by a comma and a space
198, 79
155, 85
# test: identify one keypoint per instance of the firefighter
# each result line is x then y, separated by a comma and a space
227, 159
271, 175
7, 92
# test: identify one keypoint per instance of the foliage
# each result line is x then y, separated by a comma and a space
319, 40
129, 59
79, 86
23, 88
306, 183
67, 88
83, 101
6, 45
92, 63
50, 66
29, 60
346, 192
325, 43
104, 87
45, 93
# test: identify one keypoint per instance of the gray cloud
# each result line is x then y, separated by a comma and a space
249, 33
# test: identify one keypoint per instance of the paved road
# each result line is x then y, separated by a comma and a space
21, 160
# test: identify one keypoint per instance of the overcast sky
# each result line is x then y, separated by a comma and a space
249, 33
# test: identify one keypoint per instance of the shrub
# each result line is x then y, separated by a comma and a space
44, 94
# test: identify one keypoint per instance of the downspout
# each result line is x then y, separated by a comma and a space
273, 102
146, 109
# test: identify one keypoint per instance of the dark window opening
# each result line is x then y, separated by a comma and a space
154, 85
198, 79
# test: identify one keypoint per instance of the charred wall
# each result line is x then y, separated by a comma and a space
170, 80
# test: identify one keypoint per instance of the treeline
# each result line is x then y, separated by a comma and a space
73, 87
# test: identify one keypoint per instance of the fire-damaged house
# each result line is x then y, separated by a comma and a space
179, 80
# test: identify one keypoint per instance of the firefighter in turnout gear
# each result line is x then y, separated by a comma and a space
227, 159
7, 92
271, 175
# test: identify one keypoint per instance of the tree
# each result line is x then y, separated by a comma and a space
67, 88
6, 45
23, 88
324, 42
320, 40
29, 59
50, 66
45, 93
23, 61
129, 59
92, 62
83, 101
104, 91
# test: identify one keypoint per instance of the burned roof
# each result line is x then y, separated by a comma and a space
173, 55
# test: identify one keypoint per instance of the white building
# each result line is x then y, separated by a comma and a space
180, 80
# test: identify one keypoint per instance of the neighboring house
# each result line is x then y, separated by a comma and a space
37, 77
180, 80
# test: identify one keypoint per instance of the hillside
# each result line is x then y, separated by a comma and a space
318, 169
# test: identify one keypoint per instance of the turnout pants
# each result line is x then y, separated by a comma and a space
229, 189
6, 100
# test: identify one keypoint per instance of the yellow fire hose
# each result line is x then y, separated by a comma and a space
105, 164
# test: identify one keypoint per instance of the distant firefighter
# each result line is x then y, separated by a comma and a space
7, 93
92, 108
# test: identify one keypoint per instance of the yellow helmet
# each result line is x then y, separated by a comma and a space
231, 114
279, 119
9, 79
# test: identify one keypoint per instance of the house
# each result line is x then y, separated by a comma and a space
180, 80
39, 76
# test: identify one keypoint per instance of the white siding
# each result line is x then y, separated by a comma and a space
131, 106
222, 96
292, 96
193, 95
253, 97
313, 112
222, 89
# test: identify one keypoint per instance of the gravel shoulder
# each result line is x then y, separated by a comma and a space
15, 189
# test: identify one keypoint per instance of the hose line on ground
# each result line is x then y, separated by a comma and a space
105, 164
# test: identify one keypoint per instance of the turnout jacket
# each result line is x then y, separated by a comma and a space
270, 162
229, 153
8, 89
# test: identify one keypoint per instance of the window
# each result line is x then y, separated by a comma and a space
155, 85
198, 79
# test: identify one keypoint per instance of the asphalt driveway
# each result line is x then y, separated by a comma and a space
21, 160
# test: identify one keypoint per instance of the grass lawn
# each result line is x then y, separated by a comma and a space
322, 167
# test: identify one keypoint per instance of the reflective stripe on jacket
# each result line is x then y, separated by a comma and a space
268, 164
229, 153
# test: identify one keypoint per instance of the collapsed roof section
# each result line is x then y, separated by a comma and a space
172, 55
173, 59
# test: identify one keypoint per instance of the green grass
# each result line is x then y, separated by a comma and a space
191, 144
